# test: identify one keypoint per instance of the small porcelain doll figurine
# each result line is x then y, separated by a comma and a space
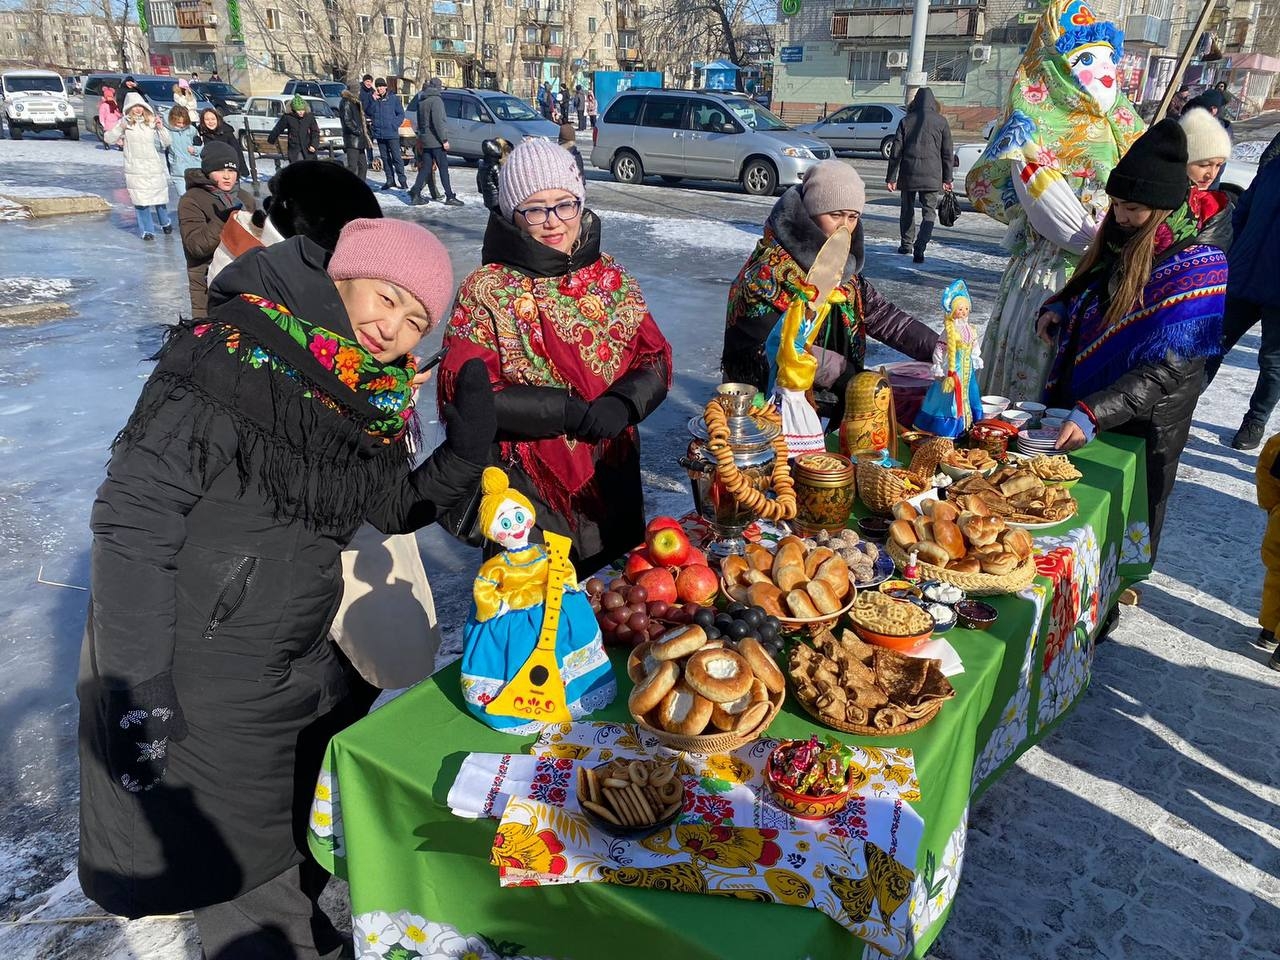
950, 406
532, 652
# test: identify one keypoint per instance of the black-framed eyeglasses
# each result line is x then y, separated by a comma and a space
565, 211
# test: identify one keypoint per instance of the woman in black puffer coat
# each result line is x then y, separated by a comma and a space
213, 127
208, 690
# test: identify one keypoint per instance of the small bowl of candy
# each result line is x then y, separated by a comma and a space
900, 590
808, 779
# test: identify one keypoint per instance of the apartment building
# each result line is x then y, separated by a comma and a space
71, 42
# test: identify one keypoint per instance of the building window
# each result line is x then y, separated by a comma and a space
509, 4
389, 26
945, 66
530, 34
469, 33
277, 63
362, 24
532, 69
415, 28
446, 68
510, 35
308, 65
608, 41
591, 55
488, 14
306, 21
557, 36
868, 66
608, 8
274, 20
591, 24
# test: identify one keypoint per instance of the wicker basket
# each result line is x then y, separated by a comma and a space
926, 456
863, 730
974, 584
880, 488
707, 743
814, 625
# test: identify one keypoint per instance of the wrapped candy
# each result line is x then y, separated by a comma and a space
808, 767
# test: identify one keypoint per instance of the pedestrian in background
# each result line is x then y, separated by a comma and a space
301, 131
212, 127
183, 97
593, 108
920, 168
109, 113
492, 153
1135, 324
1253, 296
145, 173
569, 141
209, 201
385, 115
1267, 480
580, 106
433, 135
367, 93
355, 133
546, 100
185, 155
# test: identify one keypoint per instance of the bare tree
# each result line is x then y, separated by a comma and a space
687, 30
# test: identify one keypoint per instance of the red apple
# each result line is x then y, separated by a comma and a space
661, 523
696, 558
697, 584
669, 546
658, 585
637, 563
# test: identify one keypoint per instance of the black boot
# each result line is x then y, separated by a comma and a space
922, 241
1249, 435
904, 248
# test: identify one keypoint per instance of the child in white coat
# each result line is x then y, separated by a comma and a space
145, 172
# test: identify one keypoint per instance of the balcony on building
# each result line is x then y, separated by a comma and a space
532, 51
183, 21
628, 53
542, 16
1143, 30
448, 47
890, 19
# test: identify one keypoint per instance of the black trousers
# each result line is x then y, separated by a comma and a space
392, 161
437, 156
1239, 317
356, 161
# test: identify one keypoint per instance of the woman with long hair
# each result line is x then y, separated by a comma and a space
1136, 323
213, 127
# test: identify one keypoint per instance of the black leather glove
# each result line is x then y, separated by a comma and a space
224, 213
141, 722
470, 421
607, 417
575, 410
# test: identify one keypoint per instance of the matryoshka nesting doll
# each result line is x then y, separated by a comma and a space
865, 427
532, 652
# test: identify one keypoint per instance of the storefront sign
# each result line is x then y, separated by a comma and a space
1129, 73
791, 54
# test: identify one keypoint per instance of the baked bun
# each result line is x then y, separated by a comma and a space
948, 536
768, 597
788, 576
924, 528
653, 689
815, 559
800, 605
930, 552
721, 676
904, 511
679, 642
790, 552
967, 565
835, 572
903, 533
981, 531
734, 568
752, 717
942, 510
1000, 564
823, 596
684, 712
725, 716
636, 667
759, 557
1017, 542
764, 668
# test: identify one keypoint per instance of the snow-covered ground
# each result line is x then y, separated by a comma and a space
1145, 828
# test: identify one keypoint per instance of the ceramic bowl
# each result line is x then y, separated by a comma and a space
629, 833
900, 589
996, 405
1057, 413
902, 644
975, 614
874, 528
1051, 423
801, 805
1017, 418
1032, 407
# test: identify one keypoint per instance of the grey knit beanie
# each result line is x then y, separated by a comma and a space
534, 166
833, 185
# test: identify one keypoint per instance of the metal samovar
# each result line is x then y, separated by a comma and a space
753, 454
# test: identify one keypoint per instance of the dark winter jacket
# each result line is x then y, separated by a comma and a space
563, 294
1269, 154
386, 115
224, 134
215, 573
487, 181
761, 294
922, 153
367, 96
355, 132
303, 134
577, 158
1255, 254
202, 213
433, 126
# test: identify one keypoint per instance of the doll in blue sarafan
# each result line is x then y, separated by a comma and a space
955, 399
510, 596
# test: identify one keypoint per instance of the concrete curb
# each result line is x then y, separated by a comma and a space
58, 206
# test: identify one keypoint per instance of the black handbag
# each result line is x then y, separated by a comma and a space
948, 209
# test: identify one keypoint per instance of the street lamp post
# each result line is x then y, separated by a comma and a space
916, 77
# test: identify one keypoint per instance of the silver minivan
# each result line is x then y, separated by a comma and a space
475, 116
678, 134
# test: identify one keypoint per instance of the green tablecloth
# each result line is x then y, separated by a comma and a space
420, 879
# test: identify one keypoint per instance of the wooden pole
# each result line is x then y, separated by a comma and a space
1180, 67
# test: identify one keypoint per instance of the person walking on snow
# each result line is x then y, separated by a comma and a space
185, 153
433, 135
593, 108
210, 200
145, 173
920, 169
109, 114
299, 126
183, 97
386, 114
367, 93
580, 106
355, 133
569, 142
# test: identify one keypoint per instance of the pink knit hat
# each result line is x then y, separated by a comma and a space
403, 253
532, 167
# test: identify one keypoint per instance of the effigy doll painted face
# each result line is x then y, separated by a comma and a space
1094, 67
511, 525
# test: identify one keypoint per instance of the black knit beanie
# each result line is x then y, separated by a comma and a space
217, 155
1154, 171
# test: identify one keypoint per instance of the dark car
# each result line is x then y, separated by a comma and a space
330, 91
224, 96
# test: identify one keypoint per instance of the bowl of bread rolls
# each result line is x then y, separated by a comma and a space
805, 589
704, 696
975, 551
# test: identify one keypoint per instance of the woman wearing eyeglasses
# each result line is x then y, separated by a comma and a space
571, 347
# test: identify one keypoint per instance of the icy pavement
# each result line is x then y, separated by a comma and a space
1144, 828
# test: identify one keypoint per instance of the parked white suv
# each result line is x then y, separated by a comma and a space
37, 100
